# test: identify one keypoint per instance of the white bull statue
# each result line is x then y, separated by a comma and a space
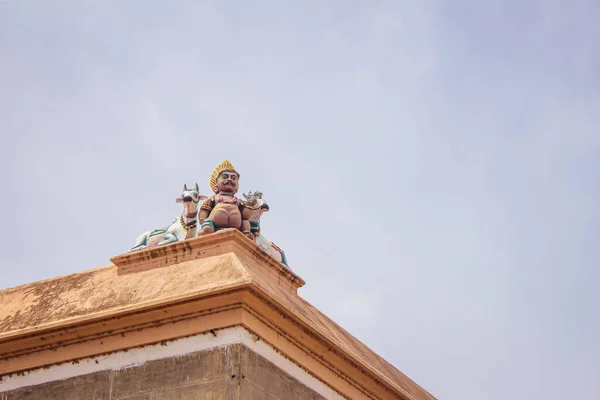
253, 213
180, 229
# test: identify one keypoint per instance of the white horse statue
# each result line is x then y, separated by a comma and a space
253, 213
180, 229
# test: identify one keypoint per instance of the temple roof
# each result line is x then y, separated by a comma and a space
195, 269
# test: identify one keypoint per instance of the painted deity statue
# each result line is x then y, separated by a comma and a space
180, 229
224, 210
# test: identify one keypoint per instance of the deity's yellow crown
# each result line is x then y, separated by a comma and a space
224, 166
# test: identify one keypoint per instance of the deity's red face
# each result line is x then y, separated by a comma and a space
227, 182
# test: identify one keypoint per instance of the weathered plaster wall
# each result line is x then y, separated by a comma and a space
229, 365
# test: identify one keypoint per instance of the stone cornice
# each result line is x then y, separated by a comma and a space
230, 240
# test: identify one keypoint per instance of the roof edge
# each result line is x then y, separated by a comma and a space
200, 247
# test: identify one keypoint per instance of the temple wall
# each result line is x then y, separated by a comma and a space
230, 364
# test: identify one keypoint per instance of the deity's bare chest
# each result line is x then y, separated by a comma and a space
226, 211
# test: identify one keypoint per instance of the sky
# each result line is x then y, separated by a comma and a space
432, 167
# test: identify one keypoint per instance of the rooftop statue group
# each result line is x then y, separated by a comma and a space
222, 211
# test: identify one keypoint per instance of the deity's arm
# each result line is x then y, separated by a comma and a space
248, 208
246, 214
205, 209
244, 210
245, 227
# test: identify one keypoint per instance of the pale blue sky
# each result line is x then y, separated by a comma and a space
433, 161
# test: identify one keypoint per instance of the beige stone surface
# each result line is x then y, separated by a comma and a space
91, 386
200, 268
230, 372
101, 290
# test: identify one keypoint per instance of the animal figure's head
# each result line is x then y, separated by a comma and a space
190, 196
255, 202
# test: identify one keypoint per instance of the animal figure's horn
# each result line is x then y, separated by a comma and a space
197, 188
185, 187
